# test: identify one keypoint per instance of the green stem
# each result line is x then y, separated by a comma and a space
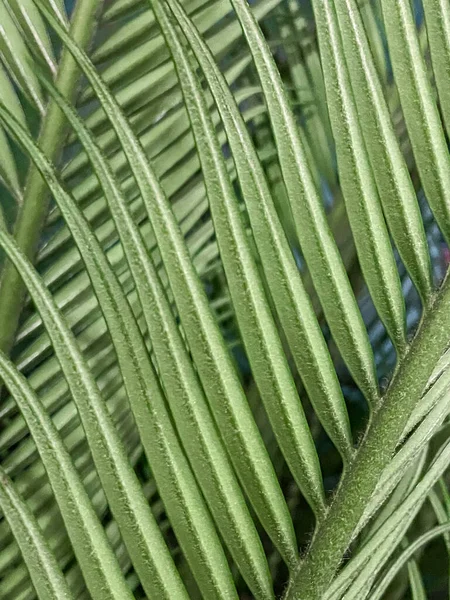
31, 217
333, 536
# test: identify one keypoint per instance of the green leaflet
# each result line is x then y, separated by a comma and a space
56, 536
17, 59
256, 324
98, 563
8, 171
161, 93
66, 417
358, 186
375, 37
419, 107
415, 581
150, 555
9, 97
185, 396
424, 539
391, 174
211, 357
176, 483
33, 484
33, 28
291, 300
314, 68
437, 18
319, 248
316, 131
169, 145
43, 567
439, 382
78, 290
31, 215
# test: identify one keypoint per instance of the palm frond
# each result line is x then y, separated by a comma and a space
223, 298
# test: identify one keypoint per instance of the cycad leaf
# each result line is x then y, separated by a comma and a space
393, 473
139, 529
291, 300
184, 504
366, 218
33, 26
216, 370
120, 8
43, 567
419, 107
98, 563
261, 340
406, 484
17, 59
437, 18
185, 396
389, 168
370, 17
424, 539
9, 98
321, 254
31, 217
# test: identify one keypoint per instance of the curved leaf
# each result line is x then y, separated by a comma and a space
44, 569
381, 545
33, 26
321, 254
8, 166
357, 182
185, 396
216, 371
419, 107
291, 300
415, 581
437, 18
32, 213
389, 168
17, 59
98, 563
261, 340
184, 503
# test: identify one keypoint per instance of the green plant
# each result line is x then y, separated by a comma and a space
174, 401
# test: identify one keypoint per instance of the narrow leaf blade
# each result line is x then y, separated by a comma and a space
44, 570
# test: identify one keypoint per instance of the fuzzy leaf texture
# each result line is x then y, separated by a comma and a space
224, 299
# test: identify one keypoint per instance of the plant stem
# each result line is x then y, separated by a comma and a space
36, 197
333, 537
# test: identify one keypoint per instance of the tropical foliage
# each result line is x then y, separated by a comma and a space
224, 311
